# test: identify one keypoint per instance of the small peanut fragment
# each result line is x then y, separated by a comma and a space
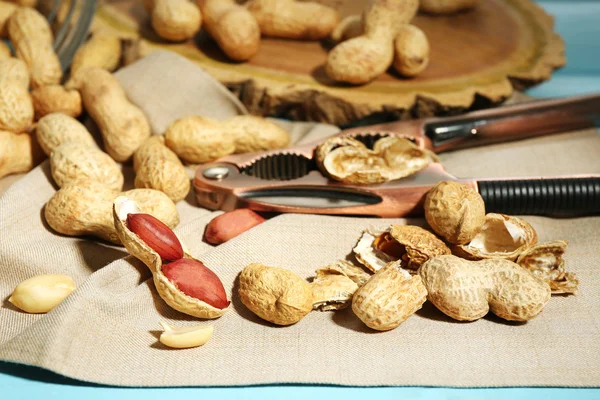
185, 337
42, 293
194, 279
231, 224
157, 235
55, 98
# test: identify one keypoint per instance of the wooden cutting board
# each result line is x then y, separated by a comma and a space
478, 58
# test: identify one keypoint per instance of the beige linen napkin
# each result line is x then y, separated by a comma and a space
107, 330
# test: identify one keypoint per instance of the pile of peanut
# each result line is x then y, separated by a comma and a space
472, 263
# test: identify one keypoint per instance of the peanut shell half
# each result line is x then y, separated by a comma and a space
502, 236
545, 260
169, 292
358, 275
411, 244
348, 160
332, 291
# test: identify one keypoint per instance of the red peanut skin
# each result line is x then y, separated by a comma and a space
230, 224
194, 279
158, 236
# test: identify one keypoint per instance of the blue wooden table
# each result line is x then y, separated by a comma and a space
579, 24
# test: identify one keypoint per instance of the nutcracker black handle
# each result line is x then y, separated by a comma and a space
554, 197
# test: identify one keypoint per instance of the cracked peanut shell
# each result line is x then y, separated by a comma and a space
348, 160
167, 290
332, 290
358, 275
502, 236
545, 260
412, 245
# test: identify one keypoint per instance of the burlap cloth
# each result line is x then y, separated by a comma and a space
107, 330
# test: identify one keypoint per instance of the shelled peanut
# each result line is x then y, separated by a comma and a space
231, 224
183, 282
123, 125
174, 20
42, 293
199, 140
32, 39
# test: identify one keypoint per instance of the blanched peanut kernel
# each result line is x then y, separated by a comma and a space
185, 337
42, 293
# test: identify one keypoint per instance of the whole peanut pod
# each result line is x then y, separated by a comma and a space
174, 20
56, 129
32, 38
446, 6
232, 26
101, 50
25, 3
363, 58
4, 51
157, 167
16, 107
411, 51
55, 98
123, 125
19, 152
6, 10
293, 19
